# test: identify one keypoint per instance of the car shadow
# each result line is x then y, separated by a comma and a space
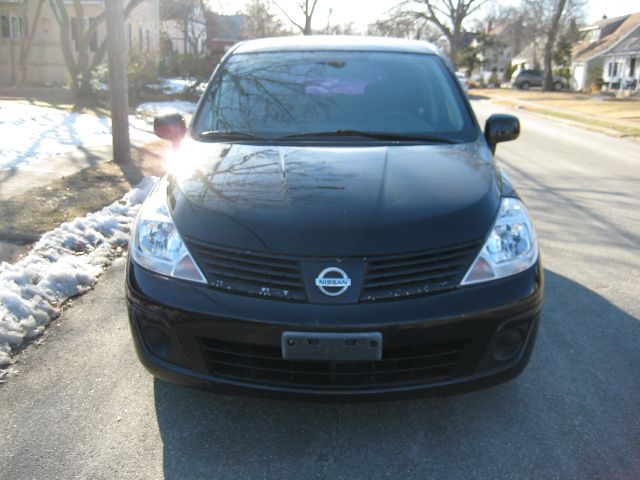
476, 96
573, 413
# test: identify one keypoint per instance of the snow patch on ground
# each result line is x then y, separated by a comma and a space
31, 131
177, 86
64, 263
174, 106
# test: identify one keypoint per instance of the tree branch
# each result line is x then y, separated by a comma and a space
60, 13
287, 15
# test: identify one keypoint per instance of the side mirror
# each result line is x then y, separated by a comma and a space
501, 128
170, 127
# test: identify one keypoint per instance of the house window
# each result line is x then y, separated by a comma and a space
615, 69
632, 68
16, 28
6, 26
11, 27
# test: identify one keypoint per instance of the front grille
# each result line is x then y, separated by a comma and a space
249, 272
409, 275
387, 277
399, 366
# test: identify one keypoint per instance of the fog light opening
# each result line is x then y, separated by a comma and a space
158, 342
509, 344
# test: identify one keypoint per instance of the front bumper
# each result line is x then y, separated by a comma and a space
445, 343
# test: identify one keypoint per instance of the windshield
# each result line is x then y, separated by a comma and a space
284, 94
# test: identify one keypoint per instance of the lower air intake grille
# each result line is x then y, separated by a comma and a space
399, 366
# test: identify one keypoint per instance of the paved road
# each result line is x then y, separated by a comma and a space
82, 407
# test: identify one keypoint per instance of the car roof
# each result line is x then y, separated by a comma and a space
336, 42
339, 42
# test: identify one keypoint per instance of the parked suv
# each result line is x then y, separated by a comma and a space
534, 78
334, 225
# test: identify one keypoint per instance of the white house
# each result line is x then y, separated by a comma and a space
599, 40
622, 64
45, 63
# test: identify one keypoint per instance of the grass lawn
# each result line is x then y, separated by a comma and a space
620, 115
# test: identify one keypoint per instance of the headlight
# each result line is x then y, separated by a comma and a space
511, 247
156, 242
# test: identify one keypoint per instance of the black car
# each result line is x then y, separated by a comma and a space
334, 225
526, 79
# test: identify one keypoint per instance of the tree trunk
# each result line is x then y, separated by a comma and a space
84, 72
552, 34
118, 82
25, 46
62, 18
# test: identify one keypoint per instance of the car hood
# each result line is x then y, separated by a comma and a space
335, 201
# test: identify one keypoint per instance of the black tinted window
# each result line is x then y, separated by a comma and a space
286, 93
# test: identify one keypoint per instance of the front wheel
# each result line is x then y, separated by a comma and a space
525, 85
557, 86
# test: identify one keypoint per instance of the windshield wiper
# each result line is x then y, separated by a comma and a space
374, 135
230, 134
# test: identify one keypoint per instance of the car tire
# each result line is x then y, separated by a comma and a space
557, 86
525, 86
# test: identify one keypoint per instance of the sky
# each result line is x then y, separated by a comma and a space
364, 12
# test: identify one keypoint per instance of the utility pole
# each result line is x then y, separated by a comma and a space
118, 90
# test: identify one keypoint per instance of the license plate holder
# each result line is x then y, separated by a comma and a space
332, 347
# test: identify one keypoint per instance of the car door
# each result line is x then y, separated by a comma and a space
536, 78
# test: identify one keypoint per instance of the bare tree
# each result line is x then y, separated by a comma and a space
118, 82
552, 34
261, 22
402, 25
81, 66
190, 15
308, 8
447, 15
547, 20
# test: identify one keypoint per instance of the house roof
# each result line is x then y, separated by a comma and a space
629, 46
532, 54
586, 50
604, 22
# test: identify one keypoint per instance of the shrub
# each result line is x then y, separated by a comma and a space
564, 72
141, 71
198, 67
594, 79
493, 79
